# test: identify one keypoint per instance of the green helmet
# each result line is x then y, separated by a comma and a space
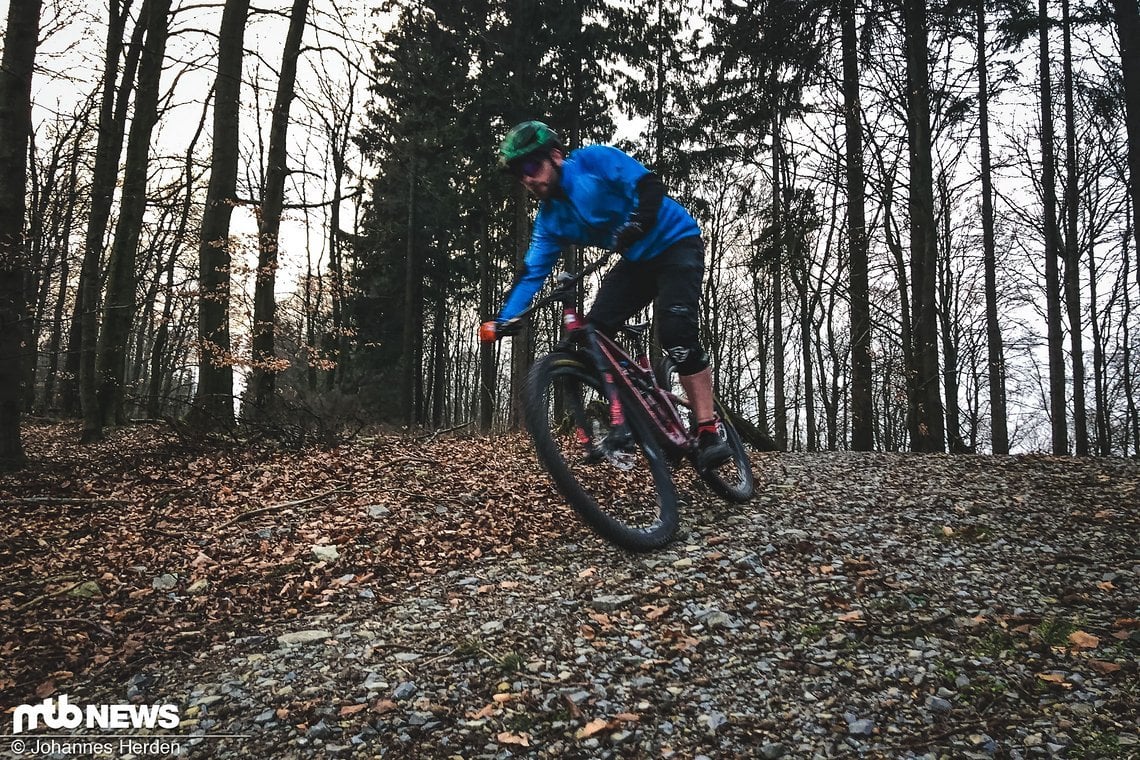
526, 138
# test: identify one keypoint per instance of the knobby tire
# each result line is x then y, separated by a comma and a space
598, 495
734, 481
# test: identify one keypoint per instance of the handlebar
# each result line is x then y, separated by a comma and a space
564, 285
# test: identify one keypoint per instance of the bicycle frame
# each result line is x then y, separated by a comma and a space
616, 366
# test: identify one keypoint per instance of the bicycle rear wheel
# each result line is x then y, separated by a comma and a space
621, 485
733, 480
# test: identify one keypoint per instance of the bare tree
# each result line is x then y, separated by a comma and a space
926, 413
862, 411
214, 402
122, 278
84, 335
1057, 411
1072, 247
20, 41
263, 380
999, 431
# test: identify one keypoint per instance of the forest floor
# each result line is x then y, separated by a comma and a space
402, 597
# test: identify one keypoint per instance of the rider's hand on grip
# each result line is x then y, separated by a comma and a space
489, 331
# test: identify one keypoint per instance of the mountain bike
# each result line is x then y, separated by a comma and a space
611, 430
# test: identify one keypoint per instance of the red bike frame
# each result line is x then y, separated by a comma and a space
615, 366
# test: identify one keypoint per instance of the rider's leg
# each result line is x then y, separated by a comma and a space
625, 290
678, 310
699, 389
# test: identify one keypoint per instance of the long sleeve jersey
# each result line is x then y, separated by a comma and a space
598, 195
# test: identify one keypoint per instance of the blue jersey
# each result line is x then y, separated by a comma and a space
598, 195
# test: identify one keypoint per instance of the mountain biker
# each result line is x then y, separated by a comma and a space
601, 196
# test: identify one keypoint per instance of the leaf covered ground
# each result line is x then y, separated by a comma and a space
406, 597
94, 539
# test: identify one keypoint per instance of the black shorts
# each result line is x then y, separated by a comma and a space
671, 281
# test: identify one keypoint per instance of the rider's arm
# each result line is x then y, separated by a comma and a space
642, 190
650, 194
537, 266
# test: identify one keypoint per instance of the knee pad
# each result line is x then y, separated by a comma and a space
681, 339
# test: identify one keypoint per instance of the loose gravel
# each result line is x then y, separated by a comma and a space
863, 605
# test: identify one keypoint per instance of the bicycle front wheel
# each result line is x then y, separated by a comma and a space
619, 481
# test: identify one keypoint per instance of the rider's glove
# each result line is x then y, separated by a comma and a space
628, 234
489, 332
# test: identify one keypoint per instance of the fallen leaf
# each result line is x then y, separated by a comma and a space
851, 617
601, 619
1055, 678
45, 689
523, 740
485, 712
1082, 640
384, 706
628, 717
351, 709
575, 712
1104, 668
947, 531
1106, 586
653, 613
593, 727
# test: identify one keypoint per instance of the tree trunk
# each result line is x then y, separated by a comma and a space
411, 357
946, 316
335, 342
20, 39
487, 384
779, 401
69, 201
862, 410
1132, 418
84, 339
263, 380
760, 319
521, 352
1101, 432
810, 425
55, 342
1127, 14
1073, 250
925, 406
1057, 410
122, 279
999, 430
214, 400
439, 361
